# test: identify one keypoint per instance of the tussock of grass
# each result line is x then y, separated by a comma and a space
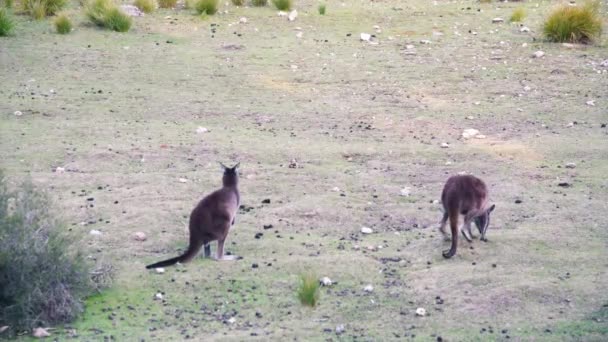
308, 291
39, 9
146, 6
238, 2
208, 7
283, 5
518, 15
259, 3
105, 13
322, 9
63, 25
6, 23
575, 24
167, 3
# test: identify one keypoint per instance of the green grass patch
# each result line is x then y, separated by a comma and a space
105, 13
308, 290
574, 24
6, 4
283, 5
38, 9
167, 3
146, 6
259, 3
322, 8
63, 24
238, 2
6, 23
208, 7
518, 15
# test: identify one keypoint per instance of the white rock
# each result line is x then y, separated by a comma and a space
40, 333
299, 34
570, 124
95, 232
527, 88
132, 11
281, 14
498, 20
524, 29
420, 312
405, 192
470, 117
469, 133
570, 165
444, 145
366, 37
159, 270
183, 180
231, 320
325, 281
158, 296
538, 54
480, 136
368, 289
18, 113
60, 169
590, 103
604, 63
366, 230
292, 15
201, 130
243, 20
425, 41
336, 189
140, 236
340, 329
409, 46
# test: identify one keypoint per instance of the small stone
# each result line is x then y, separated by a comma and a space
590, 103
538, 54
254, 265
470, 133
201, 130
409, 46
570, 165
18, 113
292, 15
405, 192
444, 145
368, 289
570, 124
95, 232
524, 29
420, 312
518, 201
40, 333
470, 117
340, 329
159, 270
366, 230
140, 236
425, 42
231, 320
281, 13
158, 296
498, 20
243, 20
59, 169
480, 136
325, 281
299, 34
564, 184
183, 180
366, 37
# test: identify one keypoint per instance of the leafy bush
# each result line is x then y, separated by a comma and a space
146, 6
322, 9
39, 9
518, 15
167, 3
206, 6
283, 5
63, 25
6, 23
308, 291
238, 2
259, 3
106, 14
576, 24
43, 273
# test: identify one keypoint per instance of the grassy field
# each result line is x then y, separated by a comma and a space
330, 129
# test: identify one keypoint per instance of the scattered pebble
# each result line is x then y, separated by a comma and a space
59, 169
18, 113
183, 180
368, 289
524, 29
325, 281
201, 130
405, 192
243, 20
158, 296
498, 20
292, 15
590, 103
340, 329
95, 232
366, 37
231, 320
159, 270
140, 236
570, 165
366, 230
425, 41
420, 312
538, 54
445, 145
470, 133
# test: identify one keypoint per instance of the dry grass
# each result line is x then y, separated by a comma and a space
575, 24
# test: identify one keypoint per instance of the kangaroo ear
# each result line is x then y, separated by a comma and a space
224, 167
237, 165
491, 208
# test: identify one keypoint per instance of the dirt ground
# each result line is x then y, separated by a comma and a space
338, 134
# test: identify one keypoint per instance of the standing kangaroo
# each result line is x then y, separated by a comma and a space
466, 195
211, 219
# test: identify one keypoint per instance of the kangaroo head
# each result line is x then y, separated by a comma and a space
483, 221
231, 176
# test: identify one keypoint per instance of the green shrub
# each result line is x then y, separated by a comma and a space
283, 5
308, 291
6, 23
39, 9
146, 6
63, 25
518, 15
44, 276
118, 20
6, 3
167, 3
106, 14
259, 3
238, 2
206, 6
322, 9
575, 24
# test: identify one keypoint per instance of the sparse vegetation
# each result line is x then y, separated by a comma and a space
322, 8
43, 273
105, 13
208, 7
283, 5
518, 15
146, 6
167, 3
63, 25
308, 290
259, 3
6, 4
575, 24
238, 2
6, 22
485, 1
39, 9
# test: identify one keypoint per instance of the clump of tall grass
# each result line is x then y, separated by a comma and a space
575, 24
238, 2
322, 8
44, 276
146, 6
6, 22
208, 7
39, 9
63, 25
105, 13
308, 290
283, 5
259, 3
518, 15
167, 3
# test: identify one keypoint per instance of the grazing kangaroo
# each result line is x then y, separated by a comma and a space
211, 220
466, 195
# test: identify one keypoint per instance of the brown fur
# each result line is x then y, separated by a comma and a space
211, 220
464, 195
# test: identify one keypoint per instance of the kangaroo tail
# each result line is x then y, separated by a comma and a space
193, 249
454, 229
